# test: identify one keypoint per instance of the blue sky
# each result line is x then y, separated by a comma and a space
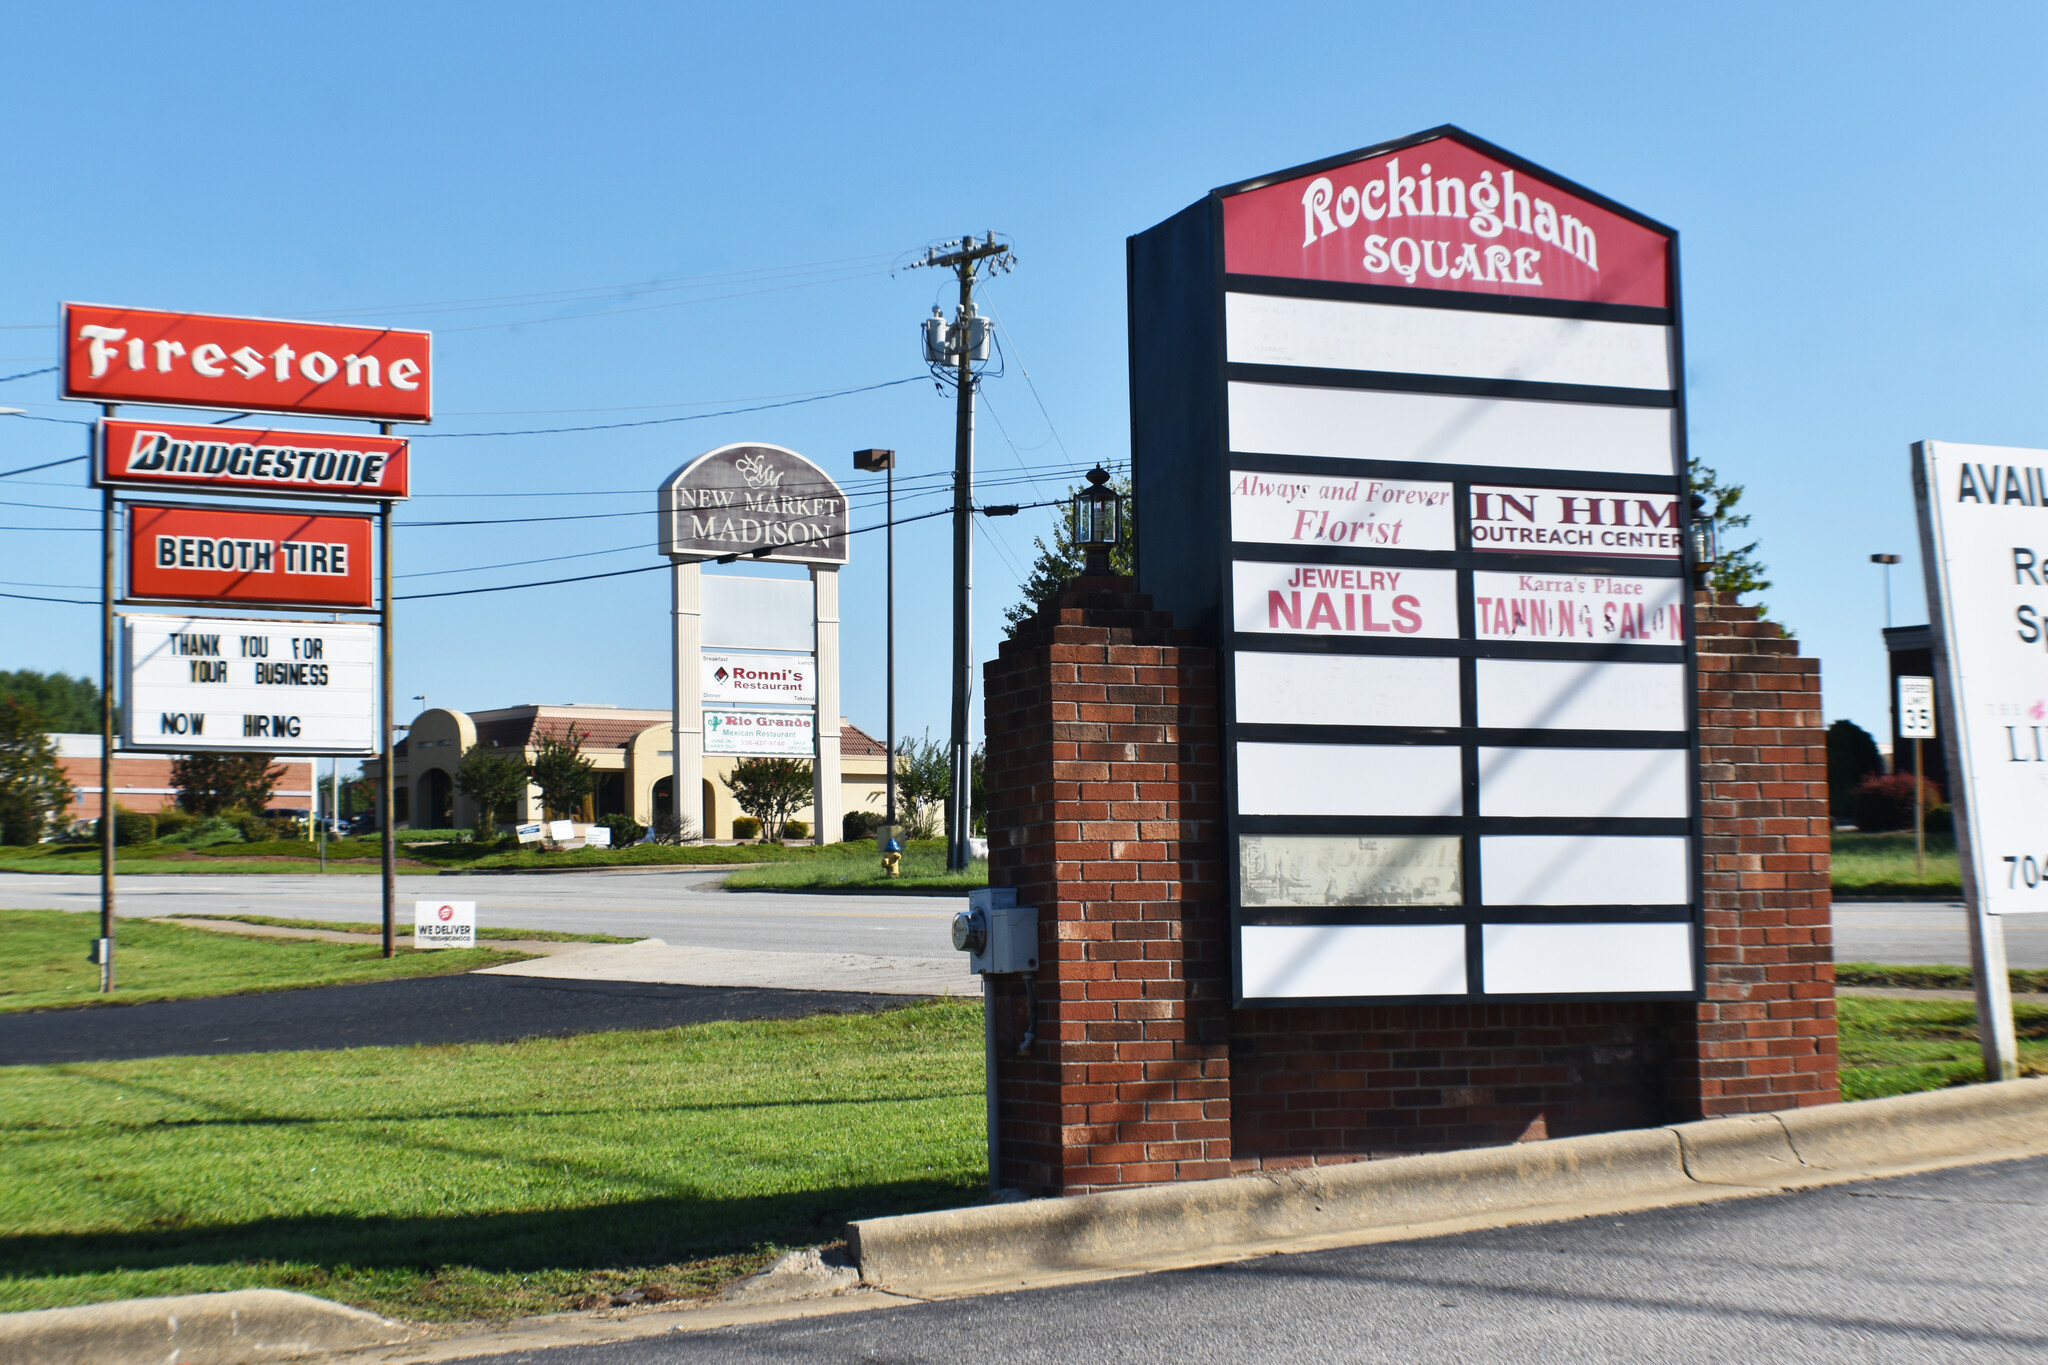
712, 197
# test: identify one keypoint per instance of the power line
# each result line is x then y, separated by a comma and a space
25, 597
32, 468
662, 421
29, 374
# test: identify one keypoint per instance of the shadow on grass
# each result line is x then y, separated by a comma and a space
638, 1232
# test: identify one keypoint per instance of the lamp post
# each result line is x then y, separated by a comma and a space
1887, 561
884, 461
1097, 521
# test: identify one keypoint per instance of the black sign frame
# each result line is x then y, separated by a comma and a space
1182, 467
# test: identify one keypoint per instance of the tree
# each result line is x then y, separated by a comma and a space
33, 792
494, 779
924, 778
771, 790
1060, 563
66, 705
562, 773
1735, 570
1852, 757
210, 784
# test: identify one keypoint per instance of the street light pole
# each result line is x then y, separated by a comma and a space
869, 461
1887, 561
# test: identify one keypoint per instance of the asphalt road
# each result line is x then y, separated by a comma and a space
685, 907
1936, 1267
679, 907
443, 1009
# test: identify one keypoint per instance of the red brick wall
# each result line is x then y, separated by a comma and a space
142, 783
1764, 1038
1104, 810
1104, 779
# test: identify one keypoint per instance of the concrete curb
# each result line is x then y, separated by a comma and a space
238, 1328
1121, 1232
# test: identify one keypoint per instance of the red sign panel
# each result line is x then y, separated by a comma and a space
1441, 215
297, 559
324, 464
196, 360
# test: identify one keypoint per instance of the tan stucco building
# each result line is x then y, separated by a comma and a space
631, 750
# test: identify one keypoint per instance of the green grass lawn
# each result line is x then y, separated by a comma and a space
857, 866
1890, 1047
1877, 864
365, 857
44, 963
483, 1180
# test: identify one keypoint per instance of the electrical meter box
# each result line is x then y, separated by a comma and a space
998, 935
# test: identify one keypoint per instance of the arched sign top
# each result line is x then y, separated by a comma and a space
749, 498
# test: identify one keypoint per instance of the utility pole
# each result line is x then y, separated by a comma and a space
953, 352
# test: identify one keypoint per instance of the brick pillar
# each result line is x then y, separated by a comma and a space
1104, 798
1764, 1038
1104, 789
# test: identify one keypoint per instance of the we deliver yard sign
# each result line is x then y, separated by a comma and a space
1408, 429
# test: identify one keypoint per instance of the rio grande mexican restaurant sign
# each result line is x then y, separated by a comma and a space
1984, 542
199, 360
755, 500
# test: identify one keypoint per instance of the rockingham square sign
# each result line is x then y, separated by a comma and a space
1409, 434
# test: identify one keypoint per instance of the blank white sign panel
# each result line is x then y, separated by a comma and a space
1571, 959
1584, 869
1346, 689
1562, 694
1349, 779
1588, 783
1265, 329
1362, 424
1309, 960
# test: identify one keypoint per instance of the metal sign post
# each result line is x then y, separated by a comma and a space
1916, 722
1979, 507
242, 365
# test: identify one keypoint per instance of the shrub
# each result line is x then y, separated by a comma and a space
206, 833
260, 829
1852, 757
745, 827
625, 829
669, 830
857, 825
796, 829
1885, 802
170, 823
133, 826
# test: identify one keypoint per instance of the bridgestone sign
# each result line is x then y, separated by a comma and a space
1408, 433
756, 500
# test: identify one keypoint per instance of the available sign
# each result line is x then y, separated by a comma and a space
1581, 608
327, 464
198, 360
199, 684
298, 559
773, 734
786, 678
444, 924
1987, 584
1389, 514
1575, 521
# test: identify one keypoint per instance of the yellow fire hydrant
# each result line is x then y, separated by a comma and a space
892, 858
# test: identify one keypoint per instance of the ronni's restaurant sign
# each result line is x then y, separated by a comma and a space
756, 500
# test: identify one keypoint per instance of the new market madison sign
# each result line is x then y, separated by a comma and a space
1413, 419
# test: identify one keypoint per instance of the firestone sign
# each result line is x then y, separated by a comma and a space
197, 360
757, 500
